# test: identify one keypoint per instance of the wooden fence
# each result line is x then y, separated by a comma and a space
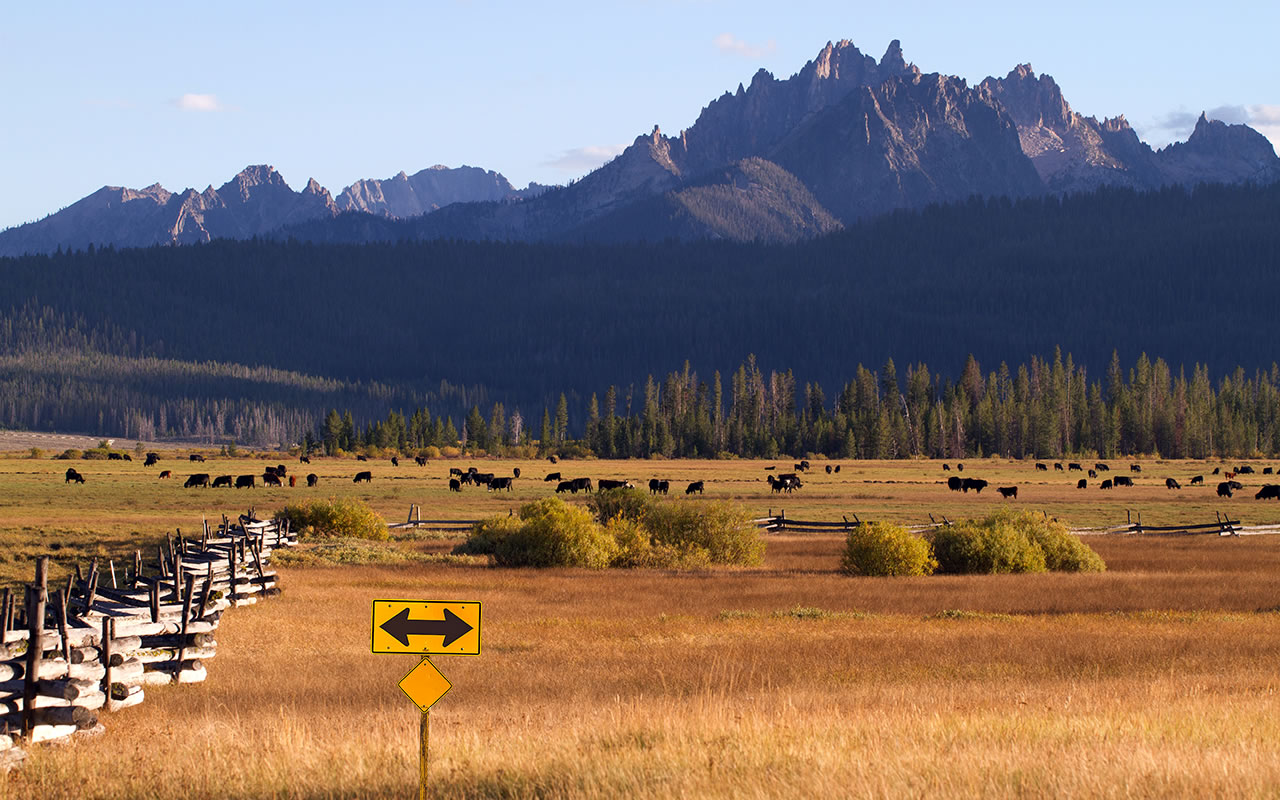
92, 645
781, 522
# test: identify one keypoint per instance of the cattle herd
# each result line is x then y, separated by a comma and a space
1225, 488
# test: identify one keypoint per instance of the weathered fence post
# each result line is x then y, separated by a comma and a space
108, 633
37, 594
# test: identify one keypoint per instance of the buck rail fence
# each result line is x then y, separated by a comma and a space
781, 522
93, 644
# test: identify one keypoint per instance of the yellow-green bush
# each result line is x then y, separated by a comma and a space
881, 548
988, 546
1063, 551
346, 517
486, 534
553, 533
637, 550
632, 504
725, 532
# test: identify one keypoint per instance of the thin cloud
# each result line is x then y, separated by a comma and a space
199, 102
729, 44
581, 159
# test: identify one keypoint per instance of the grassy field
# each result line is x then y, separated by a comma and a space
1155, 678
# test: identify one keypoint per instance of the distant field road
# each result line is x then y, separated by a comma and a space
25, 440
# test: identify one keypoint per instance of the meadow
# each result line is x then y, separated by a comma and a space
1155, 678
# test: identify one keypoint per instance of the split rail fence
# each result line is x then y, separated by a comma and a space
93, 644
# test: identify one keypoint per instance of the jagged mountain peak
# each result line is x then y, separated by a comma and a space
250, 178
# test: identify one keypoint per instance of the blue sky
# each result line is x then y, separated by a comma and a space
187, 95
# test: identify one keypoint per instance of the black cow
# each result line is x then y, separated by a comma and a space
196, 457
583, 484
1235, 485
515, 472
481, 477
114, 457
199, 479
222, 480
367, 477
420, 460
976, 484
1042, 467
152, 460
1057, 466
1082, 484
1008, 492
954, 483
1245, 470
1170, 483
304, 459
72, 475
606, 484
455, 485
455, 471
804, 464
828, 469
565, 486
1267, 471
1101, 467
362, 458
663, 487
960, 467
467, 478
246, 481
1197, 480
946, 467
281, 471
654, 482
785, 483
271, 478
1269, 492
837, 468
694, 488
1135, 468
1123, 480
127, 457
472, 470
271, 471
395, 462
313, 479
771, 466
1215, 470
552, 476
1074, 467
500, 483
1106, 484
552, 459
1093, 473
1224, 489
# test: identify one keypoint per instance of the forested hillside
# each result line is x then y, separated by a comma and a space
1187, 276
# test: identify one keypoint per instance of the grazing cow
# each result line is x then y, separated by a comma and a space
1106, 484
946, 467
663, 486
304, 459
552, 476
654, 482
1170, 483
552, 459
166, 474
196, 457
1267, 471
281, 471
472, 470
222, 480
976, 484
1269, 492
954, 483
482, 477
1008, 492
1197, 480
771, 466
804, 464
606, 484
270, 478
837, 468
199, 479
72, 475
466, 477
1135, 468
785, 483
1215, 470
1101, 467
1042, 467
694, 488
1057, 466
127, 457
1235, 485
246, 481
1074, 467
515, 472
455, 485
583, 484
420, 460
395, 462
1093, 473
1082, 484
114, 457
366, 476
455, 471
152, 459
565, 486
1123, 480
1224, 489
272, 471
960, 467
293, 481
1245, 470
313, 479
362, 458
500, 483
828, 469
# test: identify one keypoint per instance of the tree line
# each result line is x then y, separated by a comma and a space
1045, 408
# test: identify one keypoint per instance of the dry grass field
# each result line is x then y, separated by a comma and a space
1156, 678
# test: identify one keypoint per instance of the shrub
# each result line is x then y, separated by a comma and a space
1063, 551
637, 550
727, 534
68, 454
631, 504
35, 452
545, 533
881, 548
347, 517
989, 546
486, 534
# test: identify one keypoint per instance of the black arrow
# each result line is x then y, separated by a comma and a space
452, 627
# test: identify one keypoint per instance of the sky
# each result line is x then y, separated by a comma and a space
187, 95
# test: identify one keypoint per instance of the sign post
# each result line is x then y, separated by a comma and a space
425, 628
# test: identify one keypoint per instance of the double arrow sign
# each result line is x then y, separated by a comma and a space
426, 628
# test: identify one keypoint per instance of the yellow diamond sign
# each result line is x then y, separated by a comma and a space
424, 684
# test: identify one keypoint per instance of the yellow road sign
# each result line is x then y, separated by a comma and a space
424, 684
429, 627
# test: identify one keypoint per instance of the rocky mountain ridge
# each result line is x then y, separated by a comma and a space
845, 138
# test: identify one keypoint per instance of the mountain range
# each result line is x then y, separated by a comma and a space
844, 139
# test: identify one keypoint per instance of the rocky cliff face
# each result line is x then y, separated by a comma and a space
407, 196
1218, 152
